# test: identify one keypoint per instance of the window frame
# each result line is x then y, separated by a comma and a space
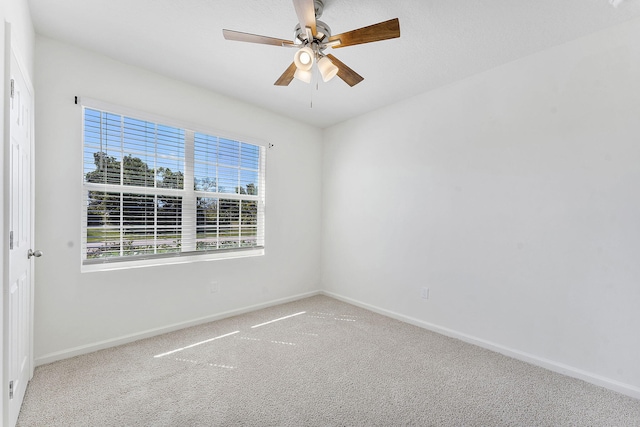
191, 196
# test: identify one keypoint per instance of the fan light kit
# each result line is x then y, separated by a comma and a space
304, 59
313, 37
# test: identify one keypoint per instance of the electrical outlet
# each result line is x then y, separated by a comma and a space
424, 293
214, 287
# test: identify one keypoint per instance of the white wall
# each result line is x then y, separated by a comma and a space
514, 196
75, 312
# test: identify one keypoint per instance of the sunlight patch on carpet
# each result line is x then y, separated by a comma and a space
277, 320
195, 345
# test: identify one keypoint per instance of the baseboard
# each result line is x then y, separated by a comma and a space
101, 345
626, 389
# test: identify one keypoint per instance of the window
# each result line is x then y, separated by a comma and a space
154, 190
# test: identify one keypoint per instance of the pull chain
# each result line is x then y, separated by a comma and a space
315, 78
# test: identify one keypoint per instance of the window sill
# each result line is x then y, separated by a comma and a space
188, 259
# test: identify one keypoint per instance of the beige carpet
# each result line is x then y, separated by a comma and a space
324, 363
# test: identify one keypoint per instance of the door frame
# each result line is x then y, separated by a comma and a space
11, 51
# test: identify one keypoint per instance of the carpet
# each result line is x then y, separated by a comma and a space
312, 362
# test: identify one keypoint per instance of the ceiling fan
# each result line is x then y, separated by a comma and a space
311, 39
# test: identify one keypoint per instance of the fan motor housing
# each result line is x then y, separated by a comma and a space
300, 34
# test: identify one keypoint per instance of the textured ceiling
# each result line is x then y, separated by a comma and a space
441, 42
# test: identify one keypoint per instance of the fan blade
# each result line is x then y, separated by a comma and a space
287, 76
381, 31
349, 76
254, 38
306, 11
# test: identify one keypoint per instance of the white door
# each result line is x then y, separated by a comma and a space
19, 296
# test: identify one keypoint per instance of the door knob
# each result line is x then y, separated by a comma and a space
36, 254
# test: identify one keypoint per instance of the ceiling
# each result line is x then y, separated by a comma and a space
441, 41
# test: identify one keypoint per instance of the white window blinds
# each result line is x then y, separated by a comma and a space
153, 190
